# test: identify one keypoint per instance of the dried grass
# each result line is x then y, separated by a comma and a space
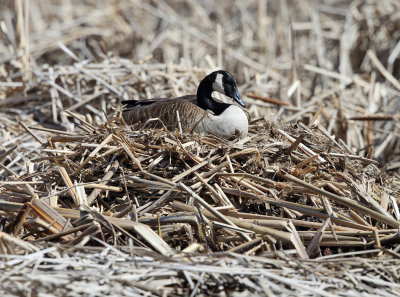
307, 203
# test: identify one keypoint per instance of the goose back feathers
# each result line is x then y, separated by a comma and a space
199, 113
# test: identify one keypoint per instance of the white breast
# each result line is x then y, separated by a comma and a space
232, 121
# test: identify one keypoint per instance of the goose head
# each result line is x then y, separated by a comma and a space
220, 81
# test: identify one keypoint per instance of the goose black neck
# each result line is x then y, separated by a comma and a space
206, 101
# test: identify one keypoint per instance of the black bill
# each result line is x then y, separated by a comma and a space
236, 97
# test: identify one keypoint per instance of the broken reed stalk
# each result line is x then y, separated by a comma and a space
344, 201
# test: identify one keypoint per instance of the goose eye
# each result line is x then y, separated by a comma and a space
229, 90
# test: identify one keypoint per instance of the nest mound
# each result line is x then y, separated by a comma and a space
278, 175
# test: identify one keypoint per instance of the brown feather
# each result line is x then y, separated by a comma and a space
166, 111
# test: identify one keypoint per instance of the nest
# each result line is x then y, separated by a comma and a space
284, 187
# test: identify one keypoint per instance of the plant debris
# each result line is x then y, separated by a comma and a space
307, 203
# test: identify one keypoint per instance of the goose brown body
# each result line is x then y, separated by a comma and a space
164, 112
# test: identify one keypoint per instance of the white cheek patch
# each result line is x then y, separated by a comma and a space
217, 84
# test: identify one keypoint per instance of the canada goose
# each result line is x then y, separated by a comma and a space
200, 113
